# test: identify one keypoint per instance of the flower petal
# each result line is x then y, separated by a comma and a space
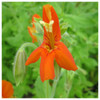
34, 56
64, 57
47, 65
35, 16
7, 89
32, 30
48, 15
56, 28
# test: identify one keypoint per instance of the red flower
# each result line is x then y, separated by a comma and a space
7, 89
51, 48
32, 29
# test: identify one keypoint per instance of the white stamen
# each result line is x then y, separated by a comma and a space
48, 26
42, 22
51, 22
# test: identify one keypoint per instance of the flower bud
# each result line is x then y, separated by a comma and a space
19, 68
39, 28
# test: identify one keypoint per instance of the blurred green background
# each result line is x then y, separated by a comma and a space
79, 28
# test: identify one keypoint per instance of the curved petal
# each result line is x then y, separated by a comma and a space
48, 15
47, 65
32, 30
35, 16
7, 89
34, 56
56, 28
64, 57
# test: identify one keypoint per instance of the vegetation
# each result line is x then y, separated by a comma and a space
79, 28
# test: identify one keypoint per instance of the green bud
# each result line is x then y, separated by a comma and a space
40, 31
39, 28
19, 68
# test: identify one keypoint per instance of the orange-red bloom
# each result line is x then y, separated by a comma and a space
7, 89
32, 29
51, 48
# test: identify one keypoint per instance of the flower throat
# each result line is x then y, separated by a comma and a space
50, 36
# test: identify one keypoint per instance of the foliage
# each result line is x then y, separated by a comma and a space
79, 28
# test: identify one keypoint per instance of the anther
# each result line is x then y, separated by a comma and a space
48, 26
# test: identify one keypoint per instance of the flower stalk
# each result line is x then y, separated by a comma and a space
55, 82
28, 44
47, 92
54, 87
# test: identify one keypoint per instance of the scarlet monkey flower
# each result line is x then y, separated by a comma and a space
32, 29
51, 48
7, 89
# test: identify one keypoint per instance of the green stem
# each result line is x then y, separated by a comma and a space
57, 76
68, 91
82, 70
28, 44
54, 88
46, 89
